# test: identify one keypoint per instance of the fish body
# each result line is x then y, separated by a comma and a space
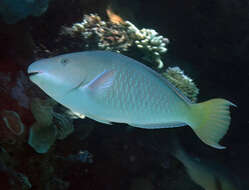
110, 87
210, 175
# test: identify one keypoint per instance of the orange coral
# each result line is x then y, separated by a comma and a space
114, 18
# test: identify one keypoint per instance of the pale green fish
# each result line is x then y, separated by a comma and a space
110, 87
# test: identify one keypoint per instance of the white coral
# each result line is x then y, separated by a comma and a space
149, 40
120, 37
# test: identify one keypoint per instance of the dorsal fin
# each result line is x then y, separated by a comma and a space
177, 91
169, 84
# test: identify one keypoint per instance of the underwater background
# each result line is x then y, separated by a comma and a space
199, 46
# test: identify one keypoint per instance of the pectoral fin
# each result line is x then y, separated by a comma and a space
103, 81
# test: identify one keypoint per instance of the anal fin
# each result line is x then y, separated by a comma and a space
158, 125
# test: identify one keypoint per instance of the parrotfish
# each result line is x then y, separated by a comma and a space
110, 87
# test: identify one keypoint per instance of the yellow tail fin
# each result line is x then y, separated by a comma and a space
210, 120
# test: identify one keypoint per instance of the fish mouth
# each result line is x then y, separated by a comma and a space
33, 73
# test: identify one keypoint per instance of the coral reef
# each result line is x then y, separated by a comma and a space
63, 124
150, 42
11, 126
15, 86
177, 77
40, 169
49, 125
100, 34
42, 132
23, 180
15, 180
41, 138
13, 122
94, 33
18, 91
15, 10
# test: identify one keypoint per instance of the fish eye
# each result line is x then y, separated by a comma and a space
64, 61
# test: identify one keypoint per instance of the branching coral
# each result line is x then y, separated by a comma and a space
118, 36
106, 35
150, 42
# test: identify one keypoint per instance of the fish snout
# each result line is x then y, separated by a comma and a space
34, 69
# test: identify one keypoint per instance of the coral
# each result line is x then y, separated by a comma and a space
113, 17
118, 36
41, 138
106, 35
11, 127
14, 85
13, 122
43, 132
64, 125
150, 42
18, 91
42, 111
40, 170
177, 77
49, 125
24, 180
16, 180
15, 10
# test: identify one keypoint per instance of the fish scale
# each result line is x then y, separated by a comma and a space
131, 86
